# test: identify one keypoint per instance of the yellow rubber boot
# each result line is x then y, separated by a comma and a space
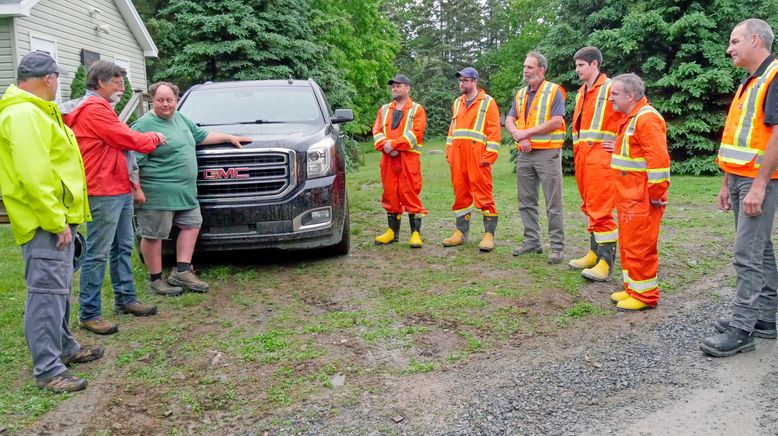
460, 234
631, 303
619, 296
458, 238
599, 273
386, 238
487, 243
490, 225
588, 261
415, 241
391, 234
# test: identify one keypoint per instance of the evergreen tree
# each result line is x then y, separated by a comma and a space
78, 85
677, 47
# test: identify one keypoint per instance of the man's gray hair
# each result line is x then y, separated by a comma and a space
632, 85
760, 28
542, 62
105, 71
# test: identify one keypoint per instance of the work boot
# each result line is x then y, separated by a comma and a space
631, 304
555, 257
729, 343
762, 329
138, 309
63, 382
162, 287
490, 225
99, 325
619, 296
187, 279
460, 234
590, 258
526, 248
415, 221
601, 272
392, 233
83, 355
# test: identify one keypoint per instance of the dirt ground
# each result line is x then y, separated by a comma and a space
445, 401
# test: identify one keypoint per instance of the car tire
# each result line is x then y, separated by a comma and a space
342, 248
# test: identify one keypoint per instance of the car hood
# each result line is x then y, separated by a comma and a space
296, 136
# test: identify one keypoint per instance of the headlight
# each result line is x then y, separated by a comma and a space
320, 158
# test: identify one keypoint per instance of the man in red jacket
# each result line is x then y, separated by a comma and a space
104, 142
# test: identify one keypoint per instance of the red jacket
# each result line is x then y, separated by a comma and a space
103, 140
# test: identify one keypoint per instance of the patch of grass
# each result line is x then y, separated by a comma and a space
580, 310
416, 367
384, 333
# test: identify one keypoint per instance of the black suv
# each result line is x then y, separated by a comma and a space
287, 188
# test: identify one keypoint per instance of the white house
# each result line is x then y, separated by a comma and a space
74, 32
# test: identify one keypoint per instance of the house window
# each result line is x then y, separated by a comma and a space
124, 63
49, 45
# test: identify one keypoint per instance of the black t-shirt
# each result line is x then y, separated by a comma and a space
771, 99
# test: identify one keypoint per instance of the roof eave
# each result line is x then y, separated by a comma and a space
18, 9
137, 28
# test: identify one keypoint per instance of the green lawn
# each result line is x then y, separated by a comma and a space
287, 326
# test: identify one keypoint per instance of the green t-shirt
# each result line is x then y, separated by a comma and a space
168, 175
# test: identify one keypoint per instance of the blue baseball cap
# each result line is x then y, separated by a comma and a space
468, 72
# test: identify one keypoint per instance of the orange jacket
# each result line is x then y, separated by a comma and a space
408, 136
478, 125
641, 148
746, 135
539, 113
594, 119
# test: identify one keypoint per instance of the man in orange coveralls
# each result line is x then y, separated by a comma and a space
641, 156
472, 147
595, 125
398, 133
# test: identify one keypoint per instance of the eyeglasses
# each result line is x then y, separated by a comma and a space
465, 80
117, 82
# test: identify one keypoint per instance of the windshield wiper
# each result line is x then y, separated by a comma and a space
240, 122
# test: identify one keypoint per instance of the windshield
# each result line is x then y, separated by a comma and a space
259, 105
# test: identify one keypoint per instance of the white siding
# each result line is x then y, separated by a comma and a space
74, 29
7, 65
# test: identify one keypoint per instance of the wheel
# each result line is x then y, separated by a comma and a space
342, 248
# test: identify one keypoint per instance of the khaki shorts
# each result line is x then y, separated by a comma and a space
156, 224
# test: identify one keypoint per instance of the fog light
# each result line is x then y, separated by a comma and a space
320, 215
313, 219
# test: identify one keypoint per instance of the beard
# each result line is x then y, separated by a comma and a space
116, 96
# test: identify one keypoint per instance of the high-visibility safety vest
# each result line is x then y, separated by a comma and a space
625, 160
539, 113
745, 133
596, 131
407, 128
477, 133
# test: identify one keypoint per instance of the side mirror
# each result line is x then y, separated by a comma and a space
342, 116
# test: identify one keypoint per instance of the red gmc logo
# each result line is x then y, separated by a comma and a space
226, 173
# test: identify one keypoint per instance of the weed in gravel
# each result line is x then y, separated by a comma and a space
416, 367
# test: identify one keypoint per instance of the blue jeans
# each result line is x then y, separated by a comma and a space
109, 237
756, 297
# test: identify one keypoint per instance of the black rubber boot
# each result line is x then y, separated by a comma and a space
729, 343
415, 222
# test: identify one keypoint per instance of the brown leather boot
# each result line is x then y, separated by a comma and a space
99, 325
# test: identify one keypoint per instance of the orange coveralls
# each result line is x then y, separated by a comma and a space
401, 175
473, 138
595, 121
644, 163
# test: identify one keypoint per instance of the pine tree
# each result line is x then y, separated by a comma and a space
78, 85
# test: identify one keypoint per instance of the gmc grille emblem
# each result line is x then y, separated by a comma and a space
226, 173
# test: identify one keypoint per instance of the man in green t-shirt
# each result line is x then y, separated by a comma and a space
168, 194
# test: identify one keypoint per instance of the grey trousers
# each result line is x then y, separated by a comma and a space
48, 275
757, 278
534, 169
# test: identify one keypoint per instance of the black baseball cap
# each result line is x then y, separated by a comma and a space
38, 64
468, 72
400, 79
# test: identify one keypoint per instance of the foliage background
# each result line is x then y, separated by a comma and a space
351, 48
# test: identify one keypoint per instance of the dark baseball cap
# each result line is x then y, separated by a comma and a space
400, 79
468, 72
38, 64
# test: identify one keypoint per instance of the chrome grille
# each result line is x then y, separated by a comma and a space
264, 174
